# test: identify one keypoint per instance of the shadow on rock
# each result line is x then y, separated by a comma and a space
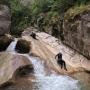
23, 71
23, 46
5, 42
6, 85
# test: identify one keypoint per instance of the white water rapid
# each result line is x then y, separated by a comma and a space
11, 47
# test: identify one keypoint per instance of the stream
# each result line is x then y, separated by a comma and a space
44, 81
53, 81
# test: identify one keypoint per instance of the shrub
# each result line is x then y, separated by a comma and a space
24, 16
75, 11
40, 6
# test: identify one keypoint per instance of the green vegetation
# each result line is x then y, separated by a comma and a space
76, 10
44, 13
21, 17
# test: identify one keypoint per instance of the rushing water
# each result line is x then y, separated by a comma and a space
48, 82
11, 47
52, 82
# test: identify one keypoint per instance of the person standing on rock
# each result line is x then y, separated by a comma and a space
61, 61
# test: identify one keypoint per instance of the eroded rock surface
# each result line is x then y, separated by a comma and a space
9, 63
5, 20
47, 47
5, 42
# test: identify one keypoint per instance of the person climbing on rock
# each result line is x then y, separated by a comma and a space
33, 35
61, 61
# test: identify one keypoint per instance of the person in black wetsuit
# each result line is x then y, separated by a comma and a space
61, 61
33, 35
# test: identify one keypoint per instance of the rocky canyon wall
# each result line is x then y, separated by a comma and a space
77, 33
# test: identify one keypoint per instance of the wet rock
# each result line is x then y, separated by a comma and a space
47, 47
24, 71
23, 46
9, 63
4, 42
5, 20
77, 34
6, 85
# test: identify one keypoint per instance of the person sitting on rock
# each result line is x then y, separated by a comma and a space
61, 61
33, 35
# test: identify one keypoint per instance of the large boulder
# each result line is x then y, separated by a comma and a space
10, 64
5, 20
4, 42
23, 46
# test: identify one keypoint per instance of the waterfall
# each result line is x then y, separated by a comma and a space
11, 47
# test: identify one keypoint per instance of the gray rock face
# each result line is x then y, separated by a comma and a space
77, 34
5, 20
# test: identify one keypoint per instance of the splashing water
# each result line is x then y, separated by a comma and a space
11, 47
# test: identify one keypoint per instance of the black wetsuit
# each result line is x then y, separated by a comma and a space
60, 61
33, 35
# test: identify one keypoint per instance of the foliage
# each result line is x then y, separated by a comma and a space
40, 6
76, 10
62, 5
52, 12
21, 17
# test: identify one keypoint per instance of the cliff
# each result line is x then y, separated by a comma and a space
77, 33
